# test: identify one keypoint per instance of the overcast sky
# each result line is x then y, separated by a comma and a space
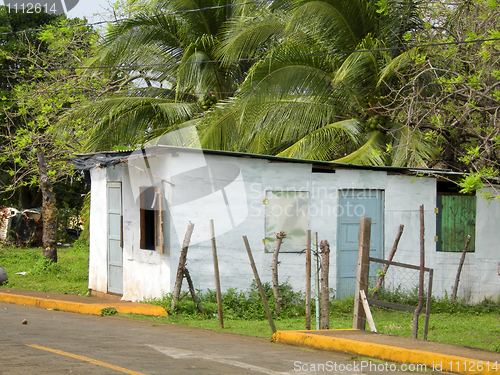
93, 10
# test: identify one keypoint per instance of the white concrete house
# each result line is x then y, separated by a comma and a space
143, 201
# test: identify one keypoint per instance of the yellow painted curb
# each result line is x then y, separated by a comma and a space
448, 363
82, 308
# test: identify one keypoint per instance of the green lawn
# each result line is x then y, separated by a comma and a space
69, 275
476, 326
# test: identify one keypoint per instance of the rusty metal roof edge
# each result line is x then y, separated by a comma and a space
162, 149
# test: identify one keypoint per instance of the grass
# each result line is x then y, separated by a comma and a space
69, 275
453, 323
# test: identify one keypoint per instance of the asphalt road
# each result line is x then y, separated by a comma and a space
56, 342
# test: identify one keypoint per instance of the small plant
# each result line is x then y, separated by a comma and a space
108, 311
45, 266
238, 304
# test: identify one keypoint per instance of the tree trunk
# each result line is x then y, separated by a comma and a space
325, 290
182, 264
274, 273
49, 210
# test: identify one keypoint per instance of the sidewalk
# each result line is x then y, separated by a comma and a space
78, 304
437, 357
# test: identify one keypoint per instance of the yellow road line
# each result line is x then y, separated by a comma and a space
82, 358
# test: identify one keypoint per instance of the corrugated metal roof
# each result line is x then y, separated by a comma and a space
105, 158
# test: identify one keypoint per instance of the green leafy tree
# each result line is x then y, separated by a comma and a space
165, 58
14, 42
45, 85
301, 79
319, 90
453, 94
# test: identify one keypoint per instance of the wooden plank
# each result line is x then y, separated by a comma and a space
362, 272
216, 272
317, 273
308, 280
427, 310
274, 273
386, 266
368, 313
459, 271
420, 305
182, 264
325, 291
413, 267
259, 285
390, 305
192, 291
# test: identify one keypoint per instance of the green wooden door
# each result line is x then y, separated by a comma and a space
456, 218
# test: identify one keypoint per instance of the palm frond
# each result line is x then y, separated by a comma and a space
326, 143
370, 153
410, 148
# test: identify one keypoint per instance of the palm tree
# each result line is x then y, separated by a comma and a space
323, 71
165, 70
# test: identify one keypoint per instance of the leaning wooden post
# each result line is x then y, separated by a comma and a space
325, 292
428, 303
416, 313
274, 270
386, 266
259, 285
192, 291
459, 271
366, 308
216, 271
182, 264
362, 271
308, 280
316, 273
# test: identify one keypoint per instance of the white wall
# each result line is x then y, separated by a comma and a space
148, 274
98, 274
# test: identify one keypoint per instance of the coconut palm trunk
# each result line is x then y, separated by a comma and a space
49, 210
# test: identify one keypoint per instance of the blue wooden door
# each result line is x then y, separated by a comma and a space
115, 251
354, 204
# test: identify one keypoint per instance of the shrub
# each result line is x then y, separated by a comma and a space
238, 304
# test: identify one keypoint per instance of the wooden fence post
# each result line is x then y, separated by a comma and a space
308, 280
416, 313
274, 269
316, 273
386, 266
216, 272
459, 271
259, 285
362, 272
182, 264
192, 291
325, 292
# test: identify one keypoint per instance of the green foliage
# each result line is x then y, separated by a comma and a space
238, 304
45, 267
38, 96
69, 275
108, 311
81, 245
438, 305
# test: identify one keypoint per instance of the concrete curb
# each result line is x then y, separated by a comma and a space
388, 353
82, 308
